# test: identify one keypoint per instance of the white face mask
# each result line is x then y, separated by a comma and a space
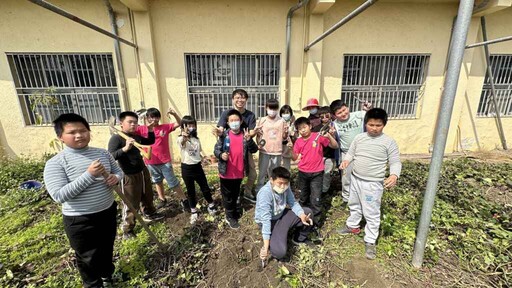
280, 190
234, 125
313, 111
286, 117
271, 113
191, 129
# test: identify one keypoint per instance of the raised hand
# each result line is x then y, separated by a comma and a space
96, 169
247, 135
129, 144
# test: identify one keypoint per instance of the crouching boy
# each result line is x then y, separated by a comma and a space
275, 219
370, 152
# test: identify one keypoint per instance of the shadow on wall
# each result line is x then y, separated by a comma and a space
5, 150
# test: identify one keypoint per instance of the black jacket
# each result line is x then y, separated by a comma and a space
250, 147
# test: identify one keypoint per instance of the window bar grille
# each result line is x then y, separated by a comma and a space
502, 70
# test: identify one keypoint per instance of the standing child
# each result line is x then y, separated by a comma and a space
287, 114
312, 106
75, 178
160, 164
348, 126
137, 185
309, 150
233, 149
191, 169
370, 152
330, 155
271, 131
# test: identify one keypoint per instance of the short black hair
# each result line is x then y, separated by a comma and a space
233, 112
187, 119
323, 110
377, 114
300, 121
337, 105
286, 109
280, 172
153, 113
240, 92
126, 114
63, 119
272, 104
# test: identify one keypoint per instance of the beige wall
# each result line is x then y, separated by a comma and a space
172, 28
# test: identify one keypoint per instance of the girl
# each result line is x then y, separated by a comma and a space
287, 114
191, 169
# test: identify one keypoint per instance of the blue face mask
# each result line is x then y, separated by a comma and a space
313, 111
234, 125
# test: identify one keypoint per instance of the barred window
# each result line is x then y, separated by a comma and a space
51, 84
502, 73
392, 82
211, 78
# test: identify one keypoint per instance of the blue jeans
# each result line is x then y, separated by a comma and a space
161, 171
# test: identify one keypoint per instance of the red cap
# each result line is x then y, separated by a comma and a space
312, 102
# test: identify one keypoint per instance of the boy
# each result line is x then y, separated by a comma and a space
347, 125
137, 184
75, 178
272, 131
160, 164
309, 150
312, 106
233, 149
330, 155
239, 98
370, 152
277, 212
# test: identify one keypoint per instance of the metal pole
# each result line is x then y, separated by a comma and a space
460, 33
347, 18
70, 16
493, 88
288, 44
503, 39
119, 60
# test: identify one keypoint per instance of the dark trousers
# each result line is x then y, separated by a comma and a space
191, 174
92, 237
139, 191
230, 189
280, 228
310, 185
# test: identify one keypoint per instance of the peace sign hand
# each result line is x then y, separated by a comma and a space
247, 136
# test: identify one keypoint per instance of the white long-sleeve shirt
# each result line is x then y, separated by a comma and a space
371, 156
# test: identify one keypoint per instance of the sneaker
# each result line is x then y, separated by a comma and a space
161, 204
250, 198
212, 210
153, 217
348, 231
193, 218
107, 282
232, 223
129, 235
370, 251
185, 207
306, 242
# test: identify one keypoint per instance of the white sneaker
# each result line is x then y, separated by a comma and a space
212, 210
193, 218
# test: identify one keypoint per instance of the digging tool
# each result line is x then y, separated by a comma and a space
145, 150
137, 215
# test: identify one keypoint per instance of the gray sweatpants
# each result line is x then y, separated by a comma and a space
345, 179
328, 165
266, 163
365, 197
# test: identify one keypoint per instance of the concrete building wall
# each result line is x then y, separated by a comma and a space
156, 76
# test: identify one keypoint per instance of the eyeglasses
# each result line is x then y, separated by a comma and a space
328, 116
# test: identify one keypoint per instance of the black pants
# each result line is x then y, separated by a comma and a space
92, 237
191, 174
230, 189
310, 185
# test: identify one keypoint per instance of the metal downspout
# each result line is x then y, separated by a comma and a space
460, 34
119, 60
288, 44
340, 23
493, 89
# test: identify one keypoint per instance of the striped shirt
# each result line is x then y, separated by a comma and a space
372, 154
68, 182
